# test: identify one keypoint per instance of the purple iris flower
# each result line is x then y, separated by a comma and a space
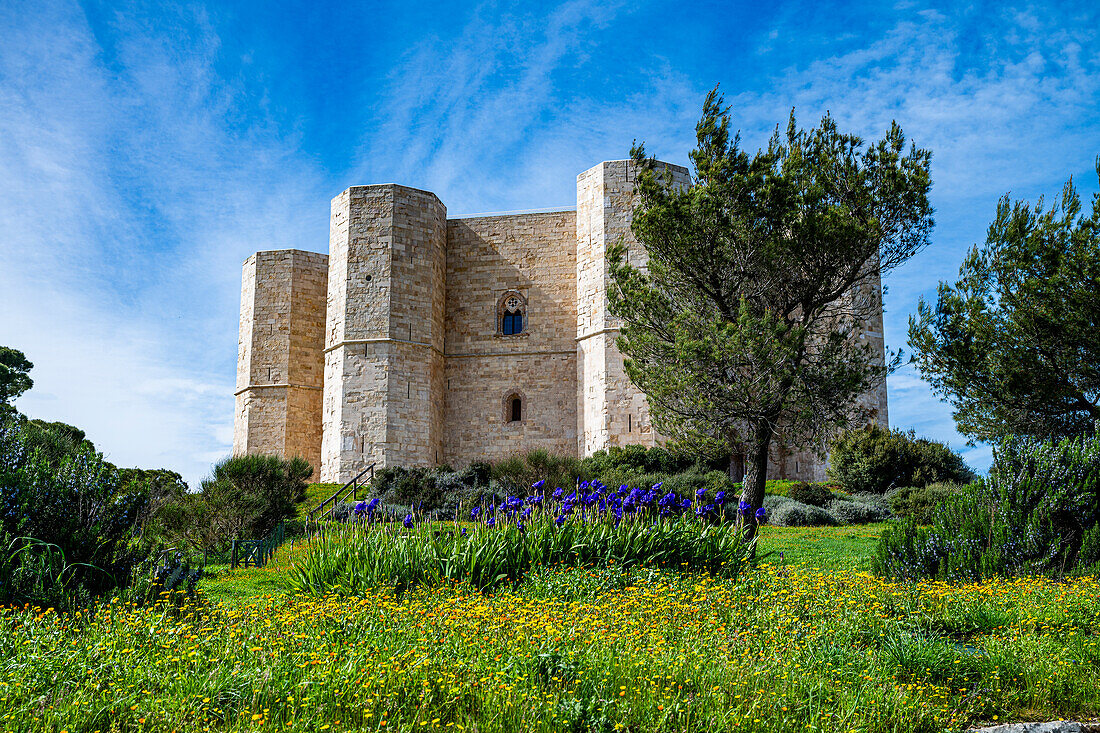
491, 522
520, 527
700, 493
408, 522
658, 485
474, 512
361, 508
463, 531
743, 507
685, 504
558, 493
584, 485
538, 484
560, 520
761, 515
720, 498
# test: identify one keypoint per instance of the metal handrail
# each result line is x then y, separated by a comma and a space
351, 487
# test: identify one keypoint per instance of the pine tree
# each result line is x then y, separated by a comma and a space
745, 324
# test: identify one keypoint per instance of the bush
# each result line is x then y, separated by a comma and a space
921, 502
875, 459
850, 511
66, 521
247, 496
516, 473
436, 492
638, 460
1036, 514
813, 494
786, 512
880, 502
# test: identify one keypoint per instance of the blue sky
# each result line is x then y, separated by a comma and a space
147, 150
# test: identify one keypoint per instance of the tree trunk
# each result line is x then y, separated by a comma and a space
756, 475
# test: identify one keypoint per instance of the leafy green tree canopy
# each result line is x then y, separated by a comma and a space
745, 324
14, 378
249, 494
1012, 345
876, 460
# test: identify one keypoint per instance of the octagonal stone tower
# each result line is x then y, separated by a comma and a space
280, 367
611, 411
383, 382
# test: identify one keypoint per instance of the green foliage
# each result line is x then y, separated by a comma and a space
786, 512
1012, 344
14, 377
814, 494
245, 498
516, 473
734, 329
436, 491
66, 518
658, 460
170, 577
53, 441
874, 459
922, 502
1035, 514
357, 559
854, 511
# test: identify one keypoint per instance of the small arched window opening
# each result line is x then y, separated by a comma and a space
514, 407
511, 314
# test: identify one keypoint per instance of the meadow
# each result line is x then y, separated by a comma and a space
806, 641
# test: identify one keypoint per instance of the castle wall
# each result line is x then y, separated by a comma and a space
487, 257
611, 410
384, 334
279, 357
389, 351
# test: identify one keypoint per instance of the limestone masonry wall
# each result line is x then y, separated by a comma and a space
279, 354
384, 332
533, 255
611, 410
390, 350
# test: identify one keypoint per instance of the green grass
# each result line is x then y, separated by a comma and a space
828, 548
315, 494
812, 644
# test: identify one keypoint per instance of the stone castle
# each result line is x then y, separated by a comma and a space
422, 340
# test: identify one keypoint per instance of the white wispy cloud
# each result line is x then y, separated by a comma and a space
129, 205
1011, 110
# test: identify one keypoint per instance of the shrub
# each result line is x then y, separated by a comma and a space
638, 460
248, 495
878, 501
813, 494
874, 459
67, 521
850, 511
786, 512
517, 472
1035, 514
921, 502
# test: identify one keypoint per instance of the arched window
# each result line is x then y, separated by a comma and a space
511, 314
515, 407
